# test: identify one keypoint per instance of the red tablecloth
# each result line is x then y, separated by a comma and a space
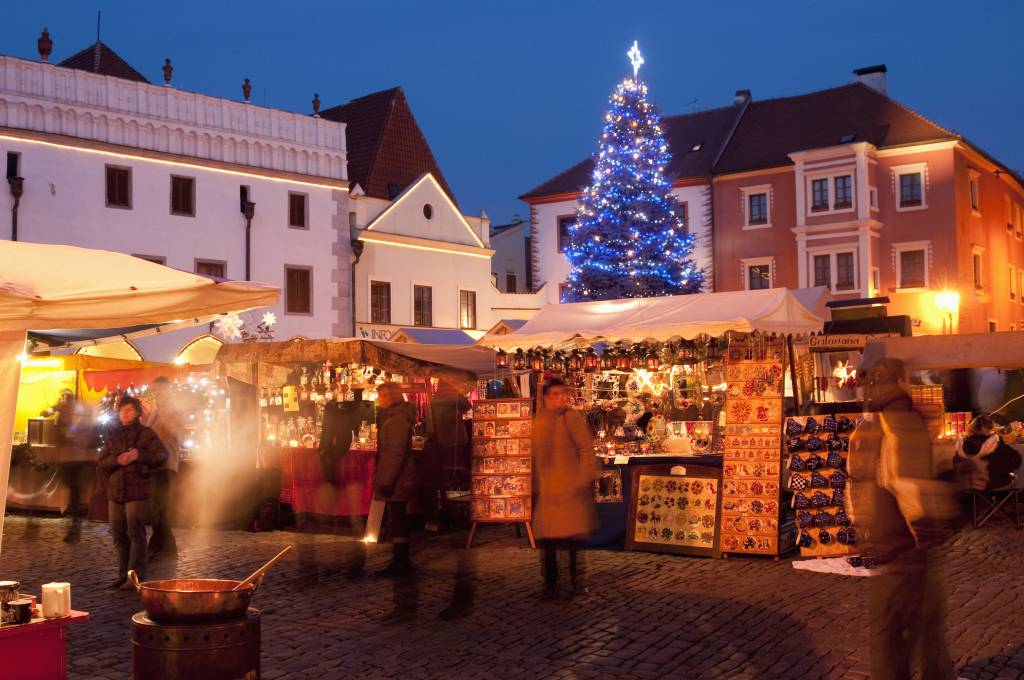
303, 485
37, 650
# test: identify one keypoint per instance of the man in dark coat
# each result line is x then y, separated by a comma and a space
394, 480
130, 455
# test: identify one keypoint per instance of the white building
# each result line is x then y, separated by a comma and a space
422, 263
510, 265
695, 141
117, 163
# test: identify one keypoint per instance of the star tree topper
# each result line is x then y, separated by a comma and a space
635, 58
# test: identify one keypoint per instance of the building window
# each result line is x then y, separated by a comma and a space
819, 194
975, 196
428, 211
993, 326
912, 270
563, 292
119, 187
846, 275
1013, 283
873, 198
844, 192
214, 268
1021, 288
1018, 220
467, 309
160, 259
297, 204
511, 282
979, 281
298, 290
758, 209
13, 164
910, 190
380, 302
422, 306
1009, 212
684, 215
183, 196
758, 274
822, 270
564, 238
876, 281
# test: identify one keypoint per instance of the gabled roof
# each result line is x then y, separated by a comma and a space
386, 148
709, 129
772, 129
98, 58
499, 229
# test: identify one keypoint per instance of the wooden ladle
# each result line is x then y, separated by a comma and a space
256, 574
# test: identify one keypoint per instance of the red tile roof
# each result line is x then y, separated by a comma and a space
386, 148
773, 128
709, 129
98, 58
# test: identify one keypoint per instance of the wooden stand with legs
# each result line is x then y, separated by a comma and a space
529, 533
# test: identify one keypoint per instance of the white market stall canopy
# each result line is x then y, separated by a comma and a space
58, 287
775, 310
974, 350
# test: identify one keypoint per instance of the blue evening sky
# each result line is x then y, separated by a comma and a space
511, 93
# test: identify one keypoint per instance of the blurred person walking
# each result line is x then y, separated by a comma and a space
394, 480
167, 420
72, 440
130, 455
904, 512
564, 469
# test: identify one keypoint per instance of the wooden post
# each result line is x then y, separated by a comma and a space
792, 374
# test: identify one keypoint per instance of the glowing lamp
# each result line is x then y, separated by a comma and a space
501, 360
948, 301
519, 360
558, 363
622, 361
608, 360
537, 362
575, 362
591, 362
638, 359
652, 362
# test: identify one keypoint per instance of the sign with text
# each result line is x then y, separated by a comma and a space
846, 341
374, 331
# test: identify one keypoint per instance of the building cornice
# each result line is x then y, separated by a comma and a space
127, 152
888, 152
754, 173
415, 243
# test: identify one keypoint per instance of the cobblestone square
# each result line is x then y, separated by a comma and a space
647, 616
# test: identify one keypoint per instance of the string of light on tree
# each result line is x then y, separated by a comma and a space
629, 239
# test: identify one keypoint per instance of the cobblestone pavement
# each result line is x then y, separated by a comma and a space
647, 616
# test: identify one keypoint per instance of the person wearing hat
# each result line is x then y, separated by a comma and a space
130, 456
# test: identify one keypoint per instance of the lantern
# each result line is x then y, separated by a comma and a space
622, 361
652, 362
575, 362
591, 362
558, 363
501, 359
537, 362
638, 358
608, 360
519, 360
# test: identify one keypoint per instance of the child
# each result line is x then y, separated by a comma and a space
1002, 460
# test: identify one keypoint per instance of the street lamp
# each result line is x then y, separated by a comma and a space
948, 302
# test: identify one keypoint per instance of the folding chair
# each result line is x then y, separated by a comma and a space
1004, 502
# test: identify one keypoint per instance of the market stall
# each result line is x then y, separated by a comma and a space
313, 416
686, 397
57, 287
58, 423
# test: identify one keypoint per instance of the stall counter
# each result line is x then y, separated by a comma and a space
304, 487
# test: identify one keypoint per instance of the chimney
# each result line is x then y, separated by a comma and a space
873, 77
741, 97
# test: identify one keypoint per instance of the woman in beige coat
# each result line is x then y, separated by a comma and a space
564, 469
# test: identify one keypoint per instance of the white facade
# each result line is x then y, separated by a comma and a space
421, 239
67, 126
550, 267
509, 261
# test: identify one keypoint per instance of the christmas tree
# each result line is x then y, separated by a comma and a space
629, 238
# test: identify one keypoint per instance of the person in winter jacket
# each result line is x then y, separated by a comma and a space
903, 513
564, 469
130, 456
394, 480
1001, 460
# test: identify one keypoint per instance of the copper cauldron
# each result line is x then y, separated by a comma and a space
191, 600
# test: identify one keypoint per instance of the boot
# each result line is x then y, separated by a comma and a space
356, 561
549, 566
576, 575
400, 564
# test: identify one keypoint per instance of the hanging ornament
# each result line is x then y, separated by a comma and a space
501, 359
537, 362
591, 362
557, 363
